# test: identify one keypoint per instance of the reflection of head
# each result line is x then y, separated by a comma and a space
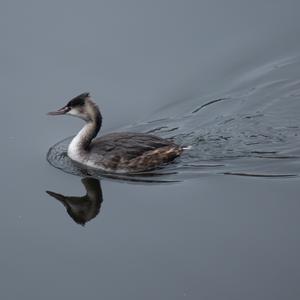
85, 208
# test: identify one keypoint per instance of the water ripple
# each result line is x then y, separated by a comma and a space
250, 130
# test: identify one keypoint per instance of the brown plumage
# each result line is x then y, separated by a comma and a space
154, 158
123, 152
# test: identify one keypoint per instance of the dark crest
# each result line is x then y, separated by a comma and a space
79, 100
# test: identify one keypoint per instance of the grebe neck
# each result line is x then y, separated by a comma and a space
79, 145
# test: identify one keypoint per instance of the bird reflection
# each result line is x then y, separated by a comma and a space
85, 208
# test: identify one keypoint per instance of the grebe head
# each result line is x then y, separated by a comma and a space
81, 106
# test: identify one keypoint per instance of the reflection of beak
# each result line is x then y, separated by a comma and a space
61, 111
57, 196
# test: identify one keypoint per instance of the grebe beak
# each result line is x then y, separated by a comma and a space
61, 111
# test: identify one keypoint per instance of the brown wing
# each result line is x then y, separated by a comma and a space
133, 151
153, 158
128, 145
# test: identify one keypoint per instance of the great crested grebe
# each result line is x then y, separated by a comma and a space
122, 152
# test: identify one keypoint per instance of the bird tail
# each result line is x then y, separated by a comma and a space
187, 147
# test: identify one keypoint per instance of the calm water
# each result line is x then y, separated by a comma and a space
222, 221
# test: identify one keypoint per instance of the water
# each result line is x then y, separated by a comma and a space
251, 130
221, 221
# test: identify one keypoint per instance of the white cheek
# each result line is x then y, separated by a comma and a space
73, 112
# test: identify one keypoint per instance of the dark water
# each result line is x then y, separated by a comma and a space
219, 223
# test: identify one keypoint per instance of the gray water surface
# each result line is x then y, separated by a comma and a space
251, 130
222, 221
